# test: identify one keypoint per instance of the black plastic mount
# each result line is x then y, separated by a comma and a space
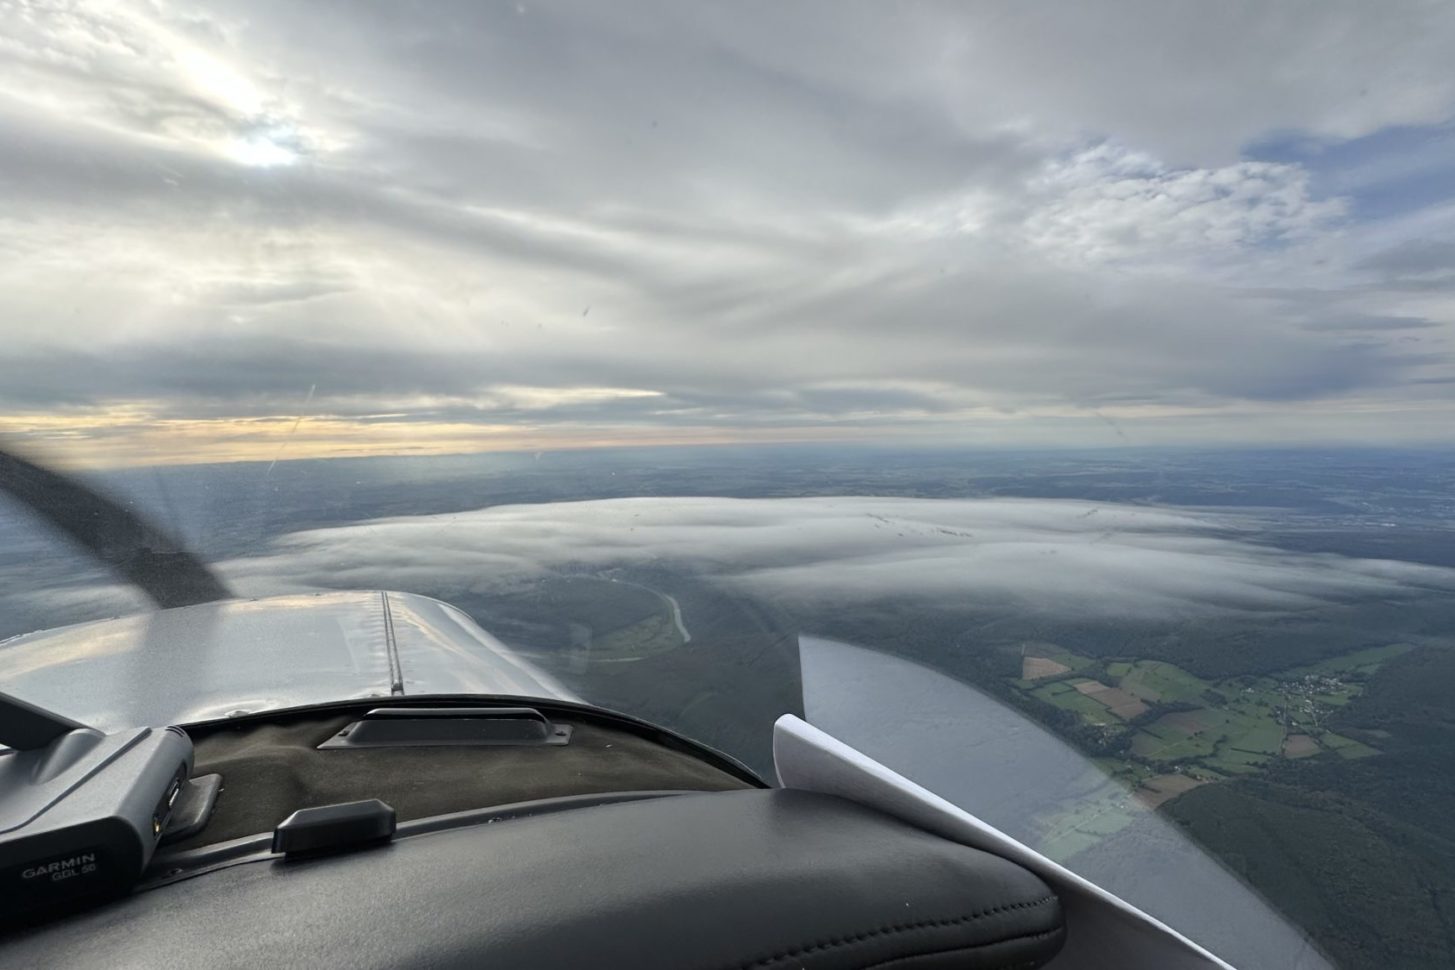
329, 828
191, 805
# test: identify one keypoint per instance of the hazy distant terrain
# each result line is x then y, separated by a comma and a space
1258, 644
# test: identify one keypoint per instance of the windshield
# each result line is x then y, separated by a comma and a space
1053, 401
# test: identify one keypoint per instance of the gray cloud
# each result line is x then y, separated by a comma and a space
1414, 266
1415, 257
1357, 322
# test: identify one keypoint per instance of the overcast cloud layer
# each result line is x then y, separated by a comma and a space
453, 226
1067, 557
1030, 556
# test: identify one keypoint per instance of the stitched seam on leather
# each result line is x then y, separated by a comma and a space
897, 928
1030, 964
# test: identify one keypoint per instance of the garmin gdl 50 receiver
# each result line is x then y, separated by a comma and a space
81, 811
